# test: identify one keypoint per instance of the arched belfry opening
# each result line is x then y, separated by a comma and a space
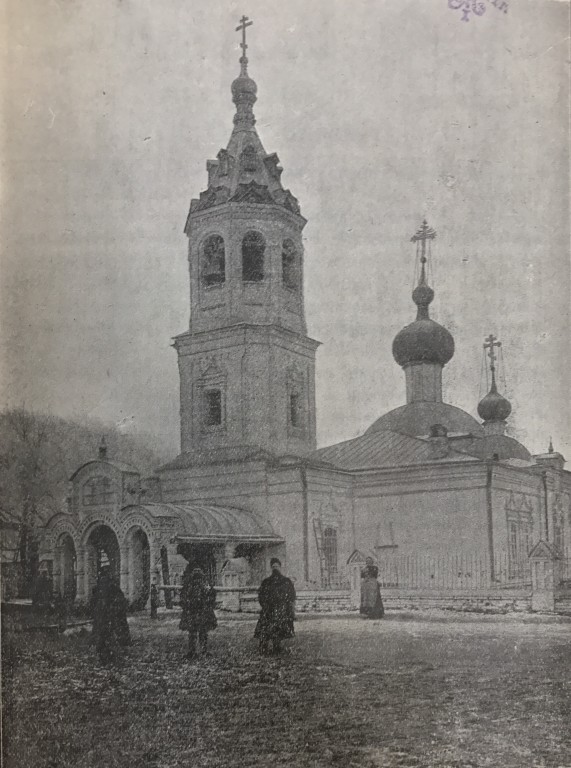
213, 261
290, 265
253, 250
102, 551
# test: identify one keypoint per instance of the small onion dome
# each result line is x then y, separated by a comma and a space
423, 341
494, 407
242, 86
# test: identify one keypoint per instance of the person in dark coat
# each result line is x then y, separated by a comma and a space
371, 602
277, 601
110, 626
198, 601
154, 601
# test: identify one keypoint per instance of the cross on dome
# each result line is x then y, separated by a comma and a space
244, 23
423, 234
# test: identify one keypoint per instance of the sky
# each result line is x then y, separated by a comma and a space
382, 113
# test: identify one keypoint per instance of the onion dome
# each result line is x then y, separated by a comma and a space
494, 407
244, 86
424, 340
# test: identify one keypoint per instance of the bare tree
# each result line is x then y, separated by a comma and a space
38, 453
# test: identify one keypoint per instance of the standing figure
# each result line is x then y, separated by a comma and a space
154, 601
277, 600
371, 602
198, 601
110, 626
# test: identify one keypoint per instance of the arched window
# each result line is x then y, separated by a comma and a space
98, 490
249, 160
290, 267
253, 248
213, 261
330, 555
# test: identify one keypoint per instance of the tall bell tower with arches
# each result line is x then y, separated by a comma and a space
246, 364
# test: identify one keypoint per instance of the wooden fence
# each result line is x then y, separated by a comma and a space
453, 572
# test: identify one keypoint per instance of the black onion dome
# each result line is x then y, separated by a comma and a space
423, 341
494, 407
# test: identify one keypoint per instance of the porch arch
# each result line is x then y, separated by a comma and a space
65, 567
100, 549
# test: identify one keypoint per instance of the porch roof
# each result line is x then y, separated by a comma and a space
213, 523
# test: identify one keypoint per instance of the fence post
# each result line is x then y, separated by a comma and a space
545, 577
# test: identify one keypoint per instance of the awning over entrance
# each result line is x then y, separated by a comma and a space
212, 523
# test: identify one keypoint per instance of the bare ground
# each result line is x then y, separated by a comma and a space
349, 693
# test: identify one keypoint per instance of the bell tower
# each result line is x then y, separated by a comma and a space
247, 367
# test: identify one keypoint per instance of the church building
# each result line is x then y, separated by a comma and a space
426, 478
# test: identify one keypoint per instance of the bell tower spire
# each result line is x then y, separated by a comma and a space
244, 89
246, 363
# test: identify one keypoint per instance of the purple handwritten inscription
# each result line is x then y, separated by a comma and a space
476, 7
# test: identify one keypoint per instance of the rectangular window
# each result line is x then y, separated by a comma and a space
330, 576
513, 549
213, 407
294, 410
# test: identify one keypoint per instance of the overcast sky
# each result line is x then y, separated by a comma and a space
381, 113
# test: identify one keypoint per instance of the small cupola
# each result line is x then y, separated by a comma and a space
494, 408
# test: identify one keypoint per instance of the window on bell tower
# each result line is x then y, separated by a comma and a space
212, 408
213, 261
290, 268
294, 410
253, 249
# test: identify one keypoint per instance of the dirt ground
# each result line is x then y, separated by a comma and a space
350, 693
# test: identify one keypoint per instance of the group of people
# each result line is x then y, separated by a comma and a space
275, 624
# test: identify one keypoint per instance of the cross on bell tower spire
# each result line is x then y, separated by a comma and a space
244, 23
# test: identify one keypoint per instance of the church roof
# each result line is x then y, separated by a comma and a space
122, 466
503, 446
416, 419
217, 456
208, 522
381, 449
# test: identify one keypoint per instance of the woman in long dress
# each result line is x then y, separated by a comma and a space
371, 602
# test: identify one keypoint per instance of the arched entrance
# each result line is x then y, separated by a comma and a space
139, 568
102, 551
67, 585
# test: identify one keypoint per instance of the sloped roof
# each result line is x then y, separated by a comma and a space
210, 522
122, 466
417, 418
381, 449
216, 456
502, 445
